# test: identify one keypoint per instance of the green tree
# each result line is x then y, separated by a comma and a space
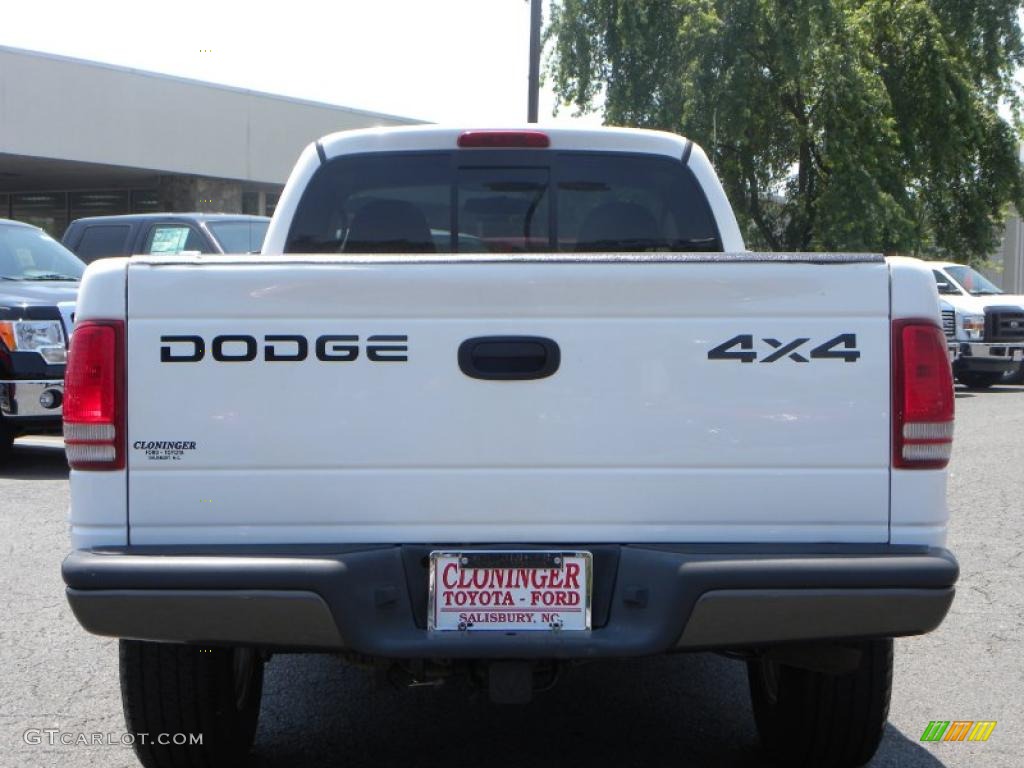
834, 124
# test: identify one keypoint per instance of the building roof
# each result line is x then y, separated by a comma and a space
396, 119
66, 109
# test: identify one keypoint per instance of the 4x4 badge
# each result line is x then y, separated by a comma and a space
842, 347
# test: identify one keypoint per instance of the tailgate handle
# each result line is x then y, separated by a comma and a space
509, 358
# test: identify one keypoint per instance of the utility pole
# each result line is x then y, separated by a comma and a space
534, 84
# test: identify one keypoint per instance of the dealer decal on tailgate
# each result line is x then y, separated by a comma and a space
164, 450
510, 591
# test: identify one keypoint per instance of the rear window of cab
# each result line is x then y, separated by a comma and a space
495, 201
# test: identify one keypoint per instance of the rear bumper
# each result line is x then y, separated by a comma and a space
646, 599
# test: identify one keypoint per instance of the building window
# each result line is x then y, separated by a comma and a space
99, 203
271, 204
47, 210
251, 203
145, 201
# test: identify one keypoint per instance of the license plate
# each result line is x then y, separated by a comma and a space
525, 591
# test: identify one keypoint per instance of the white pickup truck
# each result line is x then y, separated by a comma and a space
492, 402
984, 326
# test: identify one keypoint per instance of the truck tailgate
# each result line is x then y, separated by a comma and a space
638, 436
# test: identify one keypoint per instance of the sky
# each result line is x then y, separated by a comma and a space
462, 62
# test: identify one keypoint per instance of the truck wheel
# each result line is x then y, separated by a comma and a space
1015, 376
978, 379
807, 718
212, 694
6, 441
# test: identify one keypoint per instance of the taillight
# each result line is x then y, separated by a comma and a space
94, 396
504, 139
922, 396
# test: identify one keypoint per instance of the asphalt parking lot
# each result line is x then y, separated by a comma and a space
687, 710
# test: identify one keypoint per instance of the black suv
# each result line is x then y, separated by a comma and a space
38, 289
97, 237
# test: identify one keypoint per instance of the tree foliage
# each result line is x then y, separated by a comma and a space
834, 124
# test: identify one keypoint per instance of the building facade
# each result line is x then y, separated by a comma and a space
1007, 264
79, 138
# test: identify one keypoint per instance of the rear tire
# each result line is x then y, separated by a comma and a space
184, 689
978, 379
6, 441
816, 719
